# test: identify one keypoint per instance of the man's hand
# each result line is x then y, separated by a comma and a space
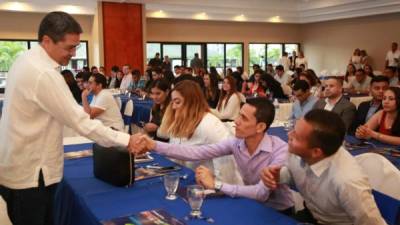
141, 143
205, 177
270, 176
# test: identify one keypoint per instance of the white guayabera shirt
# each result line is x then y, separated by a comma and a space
37, 105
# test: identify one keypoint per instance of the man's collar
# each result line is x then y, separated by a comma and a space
265, 145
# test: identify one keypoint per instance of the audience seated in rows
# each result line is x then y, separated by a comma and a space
335, 101
253, 149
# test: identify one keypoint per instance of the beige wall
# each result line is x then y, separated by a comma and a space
22, 25
217, 31
329, 45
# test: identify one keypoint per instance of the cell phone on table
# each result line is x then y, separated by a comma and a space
168, 169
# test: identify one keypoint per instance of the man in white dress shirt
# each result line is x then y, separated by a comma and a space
37, 105
334, 188
285, 61
281, 76
393, 56
127, 79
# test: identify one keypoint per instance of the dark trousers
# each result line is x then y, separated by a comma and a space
33, 206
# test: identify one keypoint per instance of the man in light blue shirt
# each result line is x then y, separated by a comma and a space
305, 101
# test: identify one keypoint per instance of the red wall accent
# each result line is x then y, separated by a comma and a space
122, 35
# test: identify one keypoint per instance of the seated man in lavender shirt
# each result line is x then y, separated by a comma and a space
252, 148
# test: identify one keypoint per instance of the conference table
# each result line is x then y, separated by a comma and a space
82, 199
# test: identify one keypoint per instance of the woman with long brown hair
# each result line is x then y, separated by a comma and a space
229, 101
187, 120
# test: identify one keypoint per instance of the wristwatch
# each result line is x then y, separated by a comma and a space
217, 185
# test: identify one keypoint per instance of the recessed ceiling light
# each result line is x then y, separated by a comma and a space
16, 6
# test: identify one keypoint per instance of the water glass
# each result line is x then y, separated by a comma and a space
195, 195
171, 182
288, 125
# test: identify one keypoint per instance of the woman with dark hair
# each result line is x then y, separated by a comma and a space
311, 78
73, 85
159, 92
255, 87
229, 102
211, 91
369, 71
214, 73
384, 126
272, 87
349, 76
169, 76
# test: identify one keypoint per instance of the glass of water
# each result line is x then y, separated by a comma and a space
288, 125
195, 195
171, 182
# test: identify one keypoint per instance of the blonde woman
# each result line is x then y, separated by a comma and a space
187, 120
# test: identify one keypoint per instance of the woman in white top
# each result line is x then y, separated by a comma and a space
187, 120
355, 59
229, 101
301, 60
103, 106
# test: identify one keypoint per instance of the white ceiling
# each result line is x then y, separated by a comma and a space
287, 11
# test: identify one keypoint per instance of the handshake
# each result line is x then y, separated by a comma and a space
140, 143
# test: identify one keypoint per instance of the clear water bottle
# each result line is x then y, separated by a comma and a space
276, 105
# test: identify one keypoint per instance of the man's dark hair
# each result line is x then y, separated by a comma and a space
136, 72
280, 68
265, 110
56, 25
100, 79
301, 85
328, 130
392, 68
379, 78
115, 69
177, 66
360, 70
339, 80
83, 75
157, 70
196, 54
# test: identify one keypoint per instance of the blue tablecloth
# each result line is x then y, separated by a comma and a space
280, 132
141, 111
84, 200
